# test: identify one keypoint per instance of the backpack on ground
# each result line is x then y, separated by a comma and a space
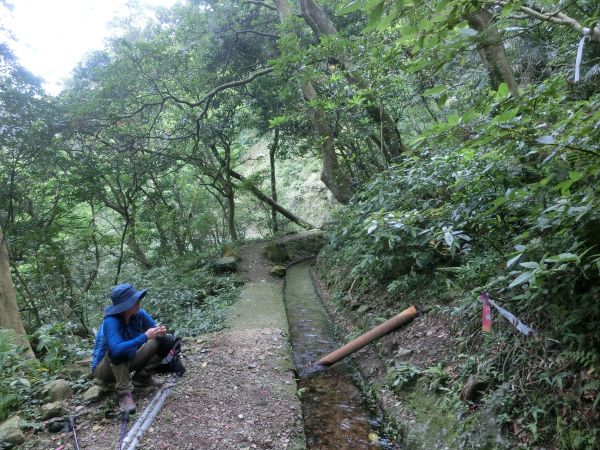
172, 362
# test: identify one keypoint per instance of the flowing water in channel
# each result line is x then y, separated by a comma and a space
335, 412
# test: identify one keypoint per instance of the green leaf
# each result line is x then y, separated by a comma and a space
453, 119
525, 276
375, 17
545, 140
564, 257
417, 65
503, 90
386, 21
22, 381
350, 7
513, 260
507, 10
506, 115
434, 91
370, 4
449, 238
530, 265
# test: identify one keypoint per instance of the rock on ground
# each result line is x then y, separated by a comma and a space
10, 431
225, 264
51, 410
58, 390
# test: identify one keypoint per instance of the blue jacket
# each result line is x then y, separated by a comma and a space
121, 339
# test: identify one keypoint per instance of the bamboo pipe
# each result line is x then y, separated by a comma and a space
389, 325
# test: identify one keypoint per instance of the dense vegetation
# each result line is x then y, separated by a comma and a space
457, 135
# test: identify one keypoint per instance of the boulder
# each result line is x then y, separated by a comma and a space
50, 410
79, 369
473, 389
278, 271
362, 309
224, 264
56, 425
58, 390
10, 432
94, 393
228, 251
275, 252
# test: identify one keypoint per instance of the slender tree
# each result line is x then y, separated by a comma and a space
9, 310
331, 174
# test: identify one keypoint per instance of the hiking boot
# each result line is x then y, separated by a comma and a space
143, 379
126, 403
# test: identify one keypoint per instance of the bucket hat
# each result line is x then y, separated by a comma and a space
123, 296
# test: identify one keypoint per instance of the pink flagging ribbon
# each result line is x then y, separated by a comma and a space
486, 313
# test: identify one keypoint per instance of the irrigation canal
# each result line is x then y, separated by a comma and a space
336, 413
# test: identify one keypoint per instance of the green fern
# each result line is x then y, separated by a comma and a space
584, 358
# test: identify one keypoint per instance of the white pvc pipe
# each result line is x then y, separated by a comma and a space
149, 419
142, 417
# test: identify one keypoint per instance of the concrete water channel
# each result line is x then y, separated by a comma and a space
336, 413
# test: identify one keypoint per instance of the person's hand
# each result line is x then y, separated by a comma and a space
155, 332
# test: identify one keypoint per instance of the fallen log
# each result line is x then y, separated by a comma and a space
268, 200
380, 330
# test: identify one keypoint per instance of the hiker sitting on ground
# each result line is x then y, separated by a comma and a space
128, 340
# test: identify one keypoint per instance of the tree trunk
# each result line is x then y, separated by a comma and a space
231, 212
331, 174
9, 310
134, 245
121, 250
272, 150
492, 52
228, 189
319, 22
29, 298
96, 270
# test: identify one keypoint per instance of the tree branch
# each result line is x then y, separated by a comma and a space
560, 18
263, 4
208, 97
260, 33
266, 199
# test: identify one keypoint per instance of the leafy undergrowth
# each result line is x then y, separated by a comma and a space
505, 203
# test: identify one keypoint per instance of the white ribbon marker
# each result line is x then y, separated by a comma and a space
586, 32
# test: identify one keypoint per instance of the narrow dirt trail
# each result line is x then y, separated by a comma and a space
239, 391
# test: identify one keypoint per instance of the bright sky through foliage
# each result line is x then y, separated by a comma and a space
52, 36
